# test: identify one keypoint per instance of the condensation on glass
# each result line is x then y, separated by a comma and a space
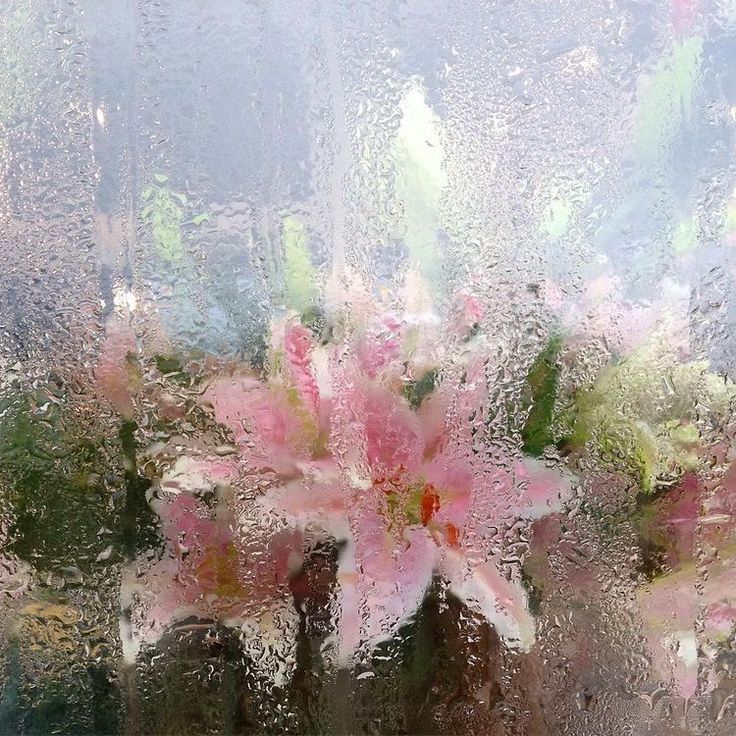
367, 367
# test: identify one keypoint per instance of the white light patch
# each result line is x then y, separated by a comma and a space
125, 299
687, 648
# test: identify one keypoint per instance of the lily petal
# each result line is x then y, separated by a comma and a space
503, 603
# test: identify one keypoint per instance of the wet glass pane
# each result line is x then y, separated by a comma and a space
367, 367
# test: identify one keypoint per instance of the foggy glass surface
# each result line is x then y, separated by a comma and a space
366, 367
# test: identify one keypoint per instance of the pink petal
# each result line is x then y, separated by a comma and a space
469, 312
390, 428
670, 611
270, 432
502, 602
385, 576
189, 474
309, 498
432, 418
380, 347
540, 490
453, 482
683, 13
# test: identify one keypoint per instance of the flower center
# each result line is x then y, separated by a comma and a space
408, 501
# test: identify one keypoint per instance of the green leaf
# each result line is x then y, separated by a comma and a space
164, 216
300, 289
557, 218
421, 179
199, 219
685, 237
665, 103
137, 530
417, 391
727, 228
642, 414
542, 392
51, 472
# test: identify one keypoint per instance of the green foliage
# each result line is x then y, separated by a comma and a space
62, 485
665, 103
46, 689
137, 524
557, 218
685, 236
168, 364
300, 291
540, 399
421, 180
52, 476
163, 213
201, 218
172, 369
417, 391
642, 414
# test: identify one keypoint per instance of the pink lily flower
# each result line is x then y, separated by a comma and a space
375, 441
407, 490
211, 571
694, 604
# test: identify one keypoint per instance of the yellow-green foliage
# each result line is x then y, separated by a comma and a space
300, 286
420, 178
665, 101
163, 212
643, 413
